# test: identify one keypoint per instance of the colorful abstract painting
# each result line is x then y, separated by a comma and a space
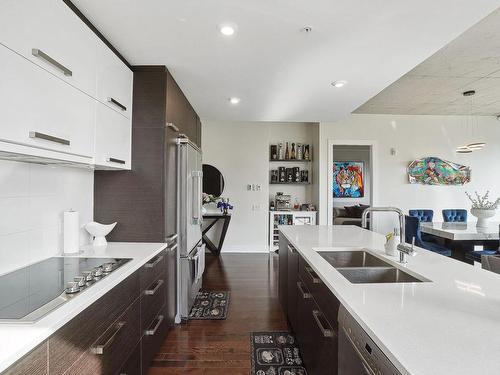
436, 171
348, 179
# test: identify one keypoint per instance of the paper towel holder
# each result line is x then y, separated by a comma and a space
99, 232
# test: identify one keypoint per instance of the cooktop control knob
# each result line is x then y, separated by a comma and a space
72, 287
80, 280
97, 272
108, 267
88, 275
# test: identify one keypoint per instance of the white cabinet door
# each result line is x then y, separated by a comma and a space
114, 82
64, 45
34, 101
113, 139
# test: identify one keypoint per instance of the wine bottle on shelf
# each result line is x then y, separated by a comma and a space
292, 153
299, 151
281, 154
306, 152
287, 152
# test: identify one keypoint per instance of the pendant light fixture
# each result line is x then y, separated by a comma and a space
469, 125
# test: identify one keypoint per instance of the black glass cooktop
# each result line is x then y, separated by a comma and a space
31, 292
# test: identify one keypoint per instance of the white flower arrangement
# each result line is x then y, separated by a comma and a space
483, 202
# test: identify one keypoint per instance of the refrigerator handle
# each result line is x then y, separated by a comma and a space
197, 200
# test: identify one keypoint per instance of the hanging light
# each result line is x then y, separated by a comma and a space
474, 146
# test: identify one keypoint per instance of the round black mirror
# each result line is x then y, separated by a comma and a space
213, 180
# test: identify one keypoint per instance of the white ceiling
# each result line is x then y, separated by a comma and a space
435, 87
279, 72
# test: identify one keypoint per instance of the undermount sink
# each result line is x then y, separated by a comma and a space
361, 267
342, 259
383, 275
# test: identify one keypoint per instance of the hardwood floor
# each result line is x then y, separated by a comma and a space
209, 347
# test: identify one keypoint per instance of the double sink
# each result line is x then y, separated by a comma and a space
361, 267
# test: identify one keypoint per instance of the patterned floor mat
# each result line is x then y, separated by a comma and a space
210, 305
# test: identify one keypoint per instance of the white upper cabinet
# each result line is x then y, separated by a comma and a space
114, 82
62, 90
42, 111
48, 33
113, 139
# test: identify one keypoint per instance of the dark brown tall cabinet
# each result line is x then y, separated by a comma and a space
143, 200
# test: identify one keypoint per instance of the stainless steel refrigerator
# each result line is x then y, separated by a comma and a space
191, 254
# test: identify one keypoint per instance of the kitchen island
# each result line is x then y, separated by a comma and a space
447, 324
64, 338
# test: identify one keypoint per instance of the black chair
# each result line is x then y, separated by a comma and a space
412, 230
424, 216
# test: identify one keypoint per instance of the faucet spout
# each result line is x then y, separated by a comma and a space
401, 216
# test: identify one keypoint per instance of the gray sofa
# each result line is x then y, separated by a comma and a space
341, 217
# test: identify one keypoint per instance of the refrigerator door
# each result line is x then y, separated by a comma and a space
192, 268
190, 196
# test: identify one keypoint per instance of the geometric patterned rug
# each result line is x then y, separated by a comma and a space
210, 305
275, 353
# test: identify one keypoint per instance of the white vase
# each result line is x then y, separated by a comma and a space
99, 232
483, 215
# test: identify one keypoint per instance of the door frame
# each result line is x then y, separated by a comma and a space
373, 172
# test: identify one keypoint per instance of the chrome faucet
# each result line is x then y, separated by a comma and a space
403, 248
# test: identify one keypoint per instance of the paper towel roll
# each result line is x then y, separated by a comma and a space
71, 232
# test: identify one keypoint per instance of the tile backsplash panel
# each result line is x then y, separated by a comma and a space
32, 201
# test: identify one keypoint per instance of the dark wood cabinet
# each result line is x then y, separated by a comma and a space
311, 309
34, 363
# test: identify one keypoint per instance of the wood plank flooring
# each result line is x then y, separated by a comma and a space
209, 347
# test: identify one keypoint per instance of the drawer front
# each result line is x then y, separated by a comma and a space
112, 349
323, 296
153, 270
74, 339
152, 300
34, 363
68, 48
133, 364
152, 339
292, 271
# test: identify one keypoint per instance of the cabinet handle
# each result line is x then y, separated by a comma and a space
171, 238
39, 53
117, 103
305, 295
151, 332
172, 126
171, 248
154, 263
327, 332
314, 276
291, 249
99, 349
49, 138
151, 292
114, 160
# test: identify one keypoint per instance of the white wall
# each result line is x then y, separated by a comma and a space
32, 200
415, 137
240, 150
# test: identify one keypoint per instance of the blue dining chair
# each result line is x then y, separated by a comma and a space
476, 255
422, 215
412, 230
455, 215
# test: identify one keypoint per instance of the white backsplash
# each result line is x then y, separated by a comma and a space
32, 201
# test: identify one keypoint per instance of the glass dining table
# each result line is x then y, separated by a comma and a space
461, 238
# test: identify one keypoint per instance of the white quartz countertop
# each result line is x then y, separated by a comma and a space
450, 325
16, 340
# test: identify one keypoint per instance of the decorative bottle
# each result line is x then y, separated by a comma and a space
287, 152
281, 155
292, 154
299, 152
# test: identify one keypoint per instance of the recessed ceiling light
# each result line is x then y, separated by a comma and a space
339, 84
227, 29
234, 100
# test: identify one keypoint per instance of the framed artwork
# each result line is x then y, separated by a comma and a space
436, 171
348, 179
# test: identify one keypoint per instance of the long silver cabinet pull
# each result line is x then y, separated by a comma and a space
305, 295
117, 103
39, 53
99, 349
171, 238
151, 292
172, 126
151, 332
154, 263
171, 248
49, 138
291, 249
314, 276
114, 160
326, 332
